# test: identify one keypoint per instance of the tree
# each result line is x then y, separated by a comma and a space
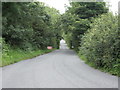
83, 13
29, 25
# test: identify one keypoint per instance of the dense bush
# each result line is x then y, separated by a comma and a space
0, 51
101, 44
28, 25
27, 29
76, 20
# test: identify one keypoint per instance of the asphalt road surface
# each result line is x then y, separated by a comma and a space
0, 78
58, 69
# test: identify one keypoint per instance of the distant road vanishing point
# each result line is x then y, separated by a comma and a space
59, 69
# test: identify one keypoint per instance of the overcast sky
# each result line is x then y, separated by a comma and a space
59, 4
114, 5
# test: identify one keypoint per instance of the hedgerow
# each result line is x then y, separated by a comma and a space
101, 44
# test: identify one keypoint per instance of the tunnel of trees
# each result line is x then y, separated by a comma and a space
87, 27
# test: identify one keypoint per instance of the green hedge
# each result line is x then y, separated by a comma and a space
101, 44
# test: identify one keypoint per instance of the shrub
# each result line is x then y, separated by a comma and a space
101, 44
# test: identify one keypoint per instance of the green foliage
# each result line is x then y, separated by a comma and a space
101, 44
86, 10
55, 30
77, 19
0, 51
28, 24
16, 55
12, 55
27, 29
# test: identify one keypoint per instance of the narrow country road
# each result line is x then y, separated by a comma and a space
58, 69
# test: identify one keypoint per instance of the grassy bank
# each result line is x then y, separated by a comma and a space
16, 55
114, 71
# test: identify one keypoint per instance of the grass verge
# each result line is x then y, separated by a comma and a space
16, 55
112, 71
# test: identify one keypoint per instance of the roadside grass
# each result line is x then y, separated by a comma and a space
16, 55
112, 71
